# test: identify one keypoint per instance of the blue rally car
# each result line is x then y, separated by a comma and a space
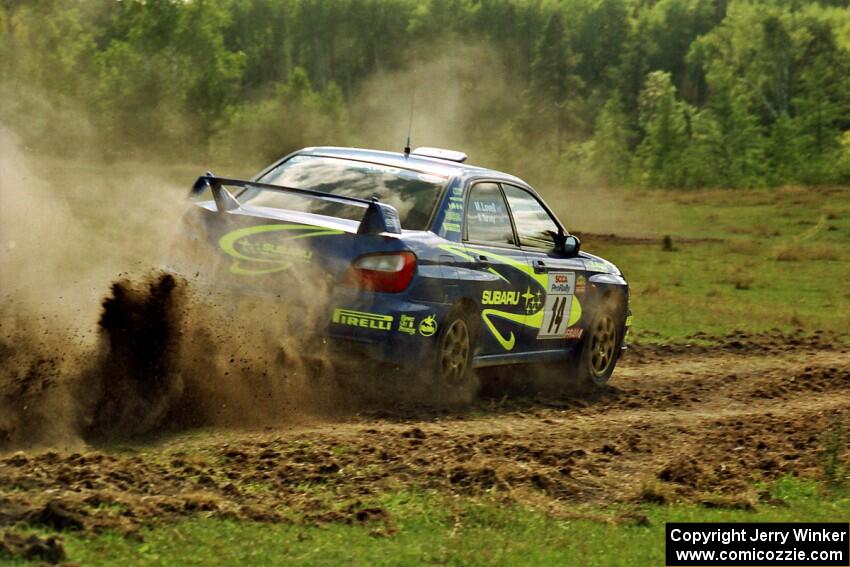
426, 261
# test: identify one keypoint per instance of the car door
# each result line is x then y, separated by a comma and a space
557, 324
497, 278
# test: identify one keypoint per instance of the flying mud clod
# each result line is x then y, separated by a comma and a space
54, 391
137, 378
172, 359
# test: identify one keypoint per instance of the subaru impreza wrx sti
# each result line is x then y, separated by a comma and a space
425, 261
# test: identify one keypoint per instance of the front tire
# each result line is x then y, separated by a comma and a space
594, 362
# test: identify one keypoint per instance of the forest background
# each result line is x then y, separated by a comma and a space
667, 93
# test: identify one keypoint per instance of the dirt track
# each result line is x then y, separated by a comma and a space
678, 422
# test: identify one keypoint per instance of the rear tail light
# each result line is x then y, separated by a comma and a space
387, 273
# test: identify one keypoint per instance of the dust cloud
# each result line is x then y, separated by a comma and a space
465, 97
66, 230
100, 338
452, 90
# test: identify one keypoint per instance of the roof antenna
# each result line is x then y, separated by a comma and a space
410, 122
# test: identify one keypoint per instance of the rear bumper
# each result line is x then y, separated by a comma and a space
384, 327
348, 325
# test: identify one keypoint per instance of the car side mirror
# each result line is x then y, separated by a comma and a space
567, 244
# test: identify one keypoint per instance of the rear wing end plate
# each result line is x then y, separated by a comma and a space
378, 218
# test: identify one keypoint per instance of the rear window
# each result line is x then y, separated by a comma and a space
414, 194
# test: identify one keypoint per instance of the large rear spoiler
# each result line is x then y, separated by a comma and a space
379, 217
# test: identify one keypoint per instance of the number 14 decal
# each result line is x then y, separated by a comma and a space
558, 304
557, 314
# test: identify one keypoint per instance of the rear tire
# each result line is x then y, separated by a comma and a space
594, 362
453, 357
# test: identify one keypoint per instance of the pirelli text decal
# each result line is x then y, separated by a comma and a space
362, 319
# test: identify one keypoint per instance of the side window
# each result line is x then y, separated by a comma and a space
534, 226
487, 218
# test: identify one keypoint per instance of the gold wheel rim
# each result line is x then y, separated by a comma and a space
455, 353
603, 343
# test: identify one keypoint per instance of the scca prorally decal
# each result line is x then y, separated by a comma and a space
558, 307
254, 255
362, 319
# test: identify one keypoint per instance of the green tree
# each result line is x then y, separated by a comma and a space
553, 87
611, 139
295, 116
703, 160
783, 151
755, 92
211, 72
822, 101
599, 29
634, 66
662, 117
743, 141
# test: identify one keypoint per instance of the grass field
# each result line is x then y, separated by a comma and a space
432, 528
750, 260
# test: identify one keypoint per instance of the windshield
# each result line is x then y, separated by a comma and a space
412, 193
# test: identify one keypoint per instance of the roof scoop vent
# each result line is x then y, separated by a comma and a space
440, 153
